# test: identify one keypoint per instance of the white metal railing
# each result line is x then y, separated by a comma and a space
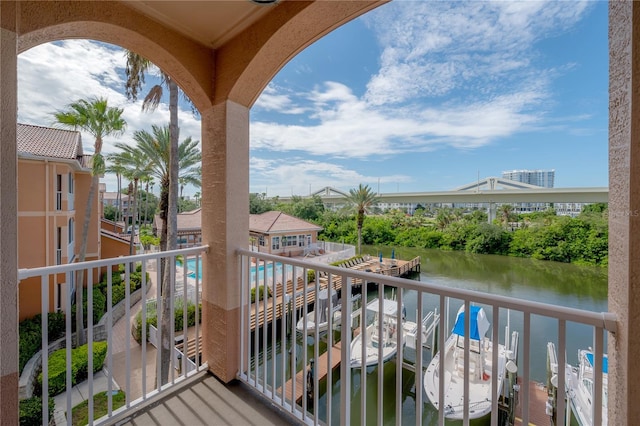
276, 361
104, 330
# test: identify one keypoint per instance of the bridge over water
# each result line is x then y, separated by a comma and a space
491, 190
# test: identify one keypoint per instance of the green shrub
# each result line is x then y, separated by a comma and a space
260, 293
31, 411
31, 337
152, 319
79, 365
311, 275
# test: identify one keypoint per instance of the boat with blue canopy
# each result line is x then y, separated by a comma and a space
480, 371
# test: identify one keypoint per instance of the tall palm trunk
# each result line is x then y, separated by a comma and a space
172, 231
146, 203
81, 257
118, 202
360, 222
134, 212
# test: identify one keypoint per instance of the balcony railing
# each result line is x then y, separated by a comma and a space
114, 328
276, 360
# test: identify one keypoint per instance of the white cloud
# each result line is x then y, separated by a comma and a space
299, 176
53, 75
351, 128
461, 74
434, 48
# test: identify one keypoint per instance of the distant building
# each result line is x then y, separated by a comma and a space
544, 178
111, 199
278, 233
271, 232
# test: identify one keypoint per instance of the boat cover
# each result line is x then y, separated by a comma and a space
478, 323
605, 362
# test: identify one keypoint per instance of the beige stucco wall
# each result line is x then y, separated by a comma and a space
39, 220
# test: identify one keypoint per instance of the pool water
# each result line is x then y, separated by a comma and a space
191, 267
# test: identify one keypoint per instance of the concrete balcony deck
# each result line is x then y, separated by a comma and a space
203, 400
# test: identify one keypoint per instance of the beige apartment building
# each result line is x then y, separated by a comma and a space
53, 185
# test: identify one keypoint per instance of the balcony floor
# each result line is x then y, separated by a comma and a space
204, 400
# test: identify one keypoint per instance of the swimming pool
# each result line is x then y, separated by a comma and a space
191, 267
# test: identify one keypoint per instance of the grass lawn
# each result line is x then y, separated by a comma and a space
80, 413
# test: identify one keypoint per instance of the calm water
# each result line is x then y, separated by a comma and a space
556, 283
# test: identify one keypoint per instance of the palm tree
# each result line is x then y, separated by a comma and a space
156, 147
197, 197
137, 168
362, 199
118, 169
95, 117
136, 68
506, 211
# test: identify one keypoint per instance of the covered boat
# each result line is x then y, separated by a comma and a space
388, 340
480, 373
324, 307
580, 384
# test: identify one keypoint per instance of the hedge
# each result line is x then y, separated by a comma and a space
79, 366
31, 411
31, 336
152, 319
260, 293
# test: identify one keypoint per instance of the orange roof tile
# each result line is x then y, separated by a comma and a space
49, 142
278, 222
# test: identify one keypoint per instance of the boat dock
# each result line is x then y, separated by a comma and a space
321, 371
389, 267
537, 405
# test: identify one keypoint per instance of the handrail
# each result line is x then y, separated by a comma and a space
60, 269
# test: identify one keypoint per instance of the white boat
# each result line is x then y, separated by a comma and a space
580, 383
481, 370
322, 310
388, 341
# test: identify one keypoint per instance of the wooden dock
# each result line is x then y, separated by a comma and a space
537, 404
321, 371
388, 267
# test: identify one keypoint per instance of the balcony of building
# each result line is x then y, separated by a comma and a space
223, 73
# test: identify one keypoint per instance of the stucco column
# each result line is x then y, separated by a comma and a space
225, 228
624, 210
8, 216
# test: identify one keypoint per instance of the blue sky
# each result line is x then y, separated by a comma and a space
414, 96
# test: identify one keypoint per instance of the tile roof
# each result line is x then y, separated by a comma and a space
269, 222
49, 142
186, 220
278, 222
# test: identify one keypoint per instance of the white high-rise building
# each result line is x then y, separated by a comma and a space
542, 178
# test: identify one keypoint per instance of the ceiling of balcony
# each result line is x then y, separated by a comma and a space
211, 23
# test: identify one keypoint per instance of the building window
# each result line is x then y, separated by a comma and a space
71, 183
59, 246
289, 241
261, 240
275, 243
71, 231
301, 240
58, 192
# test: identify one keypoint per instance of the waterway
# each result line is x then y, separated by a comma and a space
561, 284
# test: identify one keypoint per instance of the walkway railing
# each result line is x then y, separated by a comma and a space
115, 327
300, 374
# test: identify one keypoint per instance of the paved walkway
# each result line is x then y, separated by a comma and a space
80, 393
120, 334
